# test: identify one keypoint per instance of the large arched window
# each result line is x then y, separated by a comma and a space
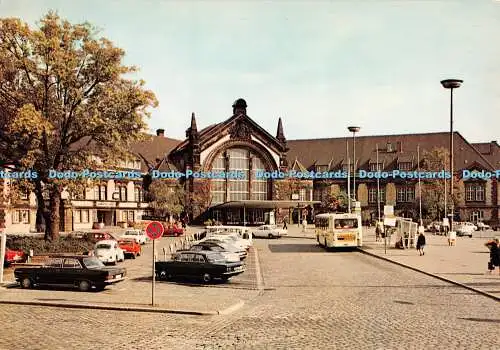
238, 159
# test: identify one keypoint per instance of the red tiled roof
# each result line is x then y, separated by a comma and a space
490, 151
153, 148
321, 151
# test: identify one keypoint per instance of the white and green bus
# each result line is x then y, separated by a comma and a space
339, 230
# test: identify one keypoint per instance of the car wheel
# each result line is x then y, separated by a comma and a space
134, 255
139, 253
207, 278
83, 286
164, 275
270, 236
26, 283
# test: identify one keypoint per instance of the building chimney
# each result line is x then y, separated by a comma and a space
160, 132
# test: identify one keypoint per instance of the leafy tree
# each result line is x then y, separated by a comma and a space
167, 198
64, 98
433, 190
332, 202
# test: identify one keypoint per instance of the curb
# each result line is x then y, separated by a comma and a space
304, 237
478, 291
119, 308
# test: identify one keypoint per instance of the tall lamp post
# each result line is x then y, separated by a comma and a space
451, 84
354, 130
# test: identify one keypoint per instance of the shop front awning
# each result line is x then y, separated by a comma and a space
265, 204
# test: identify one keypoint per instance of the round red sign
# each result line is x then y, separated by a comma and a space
154, 230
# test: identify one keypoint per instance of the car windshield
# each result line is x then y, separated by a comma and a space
346, 223
103, 246
92, 262
216, 258
131, 233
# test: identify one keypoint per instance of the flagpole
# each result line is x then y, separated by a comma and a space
378, 190
348, 177
419, 187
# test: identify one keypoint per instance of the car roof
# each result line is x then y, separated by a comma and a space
106, 241
204, 252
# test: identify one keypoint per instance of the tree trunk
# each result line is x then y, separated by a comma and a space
54, 207
41, 211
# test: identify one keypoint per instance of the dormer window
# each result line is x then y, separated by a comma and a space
374, 167
344, 167
321, 168
405, 166
390, 147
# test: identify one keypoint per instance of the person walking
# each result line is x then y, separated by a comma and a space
421, 243
494, 256
284, 224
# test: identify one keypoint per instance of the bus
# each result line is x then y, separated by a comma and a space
339, 230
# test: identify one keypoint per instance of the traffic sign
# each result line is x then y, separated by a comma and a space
154, 230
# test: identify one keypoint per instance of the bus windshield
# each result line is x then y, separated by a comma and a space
346, 223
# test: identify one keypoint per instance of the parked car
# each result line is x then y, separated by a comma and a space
269, 231
99, 236
462, 229
231, 253
206, 265
173, 230
482, 226
14, 256
109, 252
83, 272
243, 244
137, 235
130, 247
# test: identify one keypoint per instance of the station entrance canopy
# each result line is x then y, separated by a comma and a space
265, 204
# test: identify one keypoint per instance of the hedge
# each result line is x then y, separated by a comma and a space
40, 246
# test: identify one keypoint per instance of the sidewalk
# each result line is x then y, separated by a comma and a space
465, 263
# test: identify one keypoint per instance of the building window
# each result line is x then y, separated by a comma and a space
344, 167
405, 166
138, 194
317, 194
477, 216
128, 215
21, 216
374, 167
390, 147
123, 193
24, 195
241, 160
474, 192
100, 193
321, 168
372, 195
81, 216
405, 194
302, 194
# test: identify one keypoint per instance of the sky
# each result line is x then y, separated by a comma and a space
319, 65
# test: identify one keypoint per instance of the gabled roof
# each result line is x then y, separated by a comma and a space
216, 129
319, 151
490, 151
153, 150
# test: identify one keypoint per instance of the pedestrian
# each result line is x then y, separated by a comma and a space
284, 224
377, 232
494, 256
421, 243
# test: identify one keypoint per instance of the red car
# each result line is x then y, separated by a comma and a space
14, 256
173, 230
99, 236
130, 247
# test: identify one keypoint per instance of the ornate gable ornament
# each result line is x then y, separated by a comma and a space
240, 131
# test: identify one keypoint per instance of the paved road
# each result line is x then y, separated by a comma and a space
312, 299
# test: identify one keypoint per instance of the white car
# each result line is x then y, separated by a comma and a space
269, 231
236, 241
482, 226
139, 236
109, 252
463, 229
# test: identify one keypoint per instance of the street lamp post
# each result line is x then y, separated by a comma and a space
451, 84
354, 130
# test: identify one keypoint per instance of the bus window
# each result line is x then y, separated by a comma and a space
346, 223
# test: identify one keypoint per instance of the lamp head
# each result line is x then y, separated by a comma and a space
451, 83
353, 128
